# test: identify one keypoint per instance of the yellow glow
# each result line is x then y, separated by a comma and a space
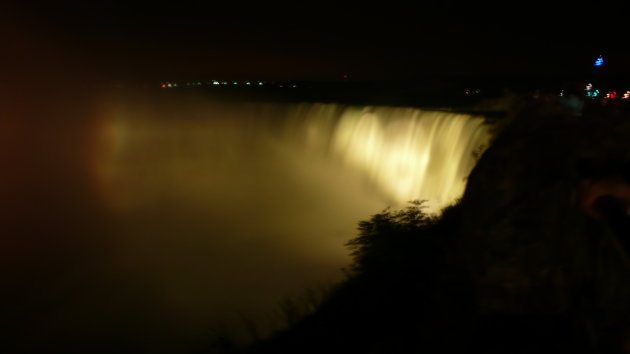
403, 153
259, 197
409, 153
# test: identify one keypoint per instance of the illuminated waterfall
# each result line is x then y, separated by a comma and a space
200, 210
400, 153
212, 202
409, 153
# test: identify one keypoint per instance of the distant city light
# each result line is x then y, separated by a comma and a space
626, 95
594, 93
612, 95
599, 61
167, 84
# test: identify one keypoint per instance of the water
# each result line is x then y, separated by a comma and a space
203, 149
158, 218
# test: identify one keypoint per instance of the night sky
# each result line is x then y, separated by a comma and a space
323, 40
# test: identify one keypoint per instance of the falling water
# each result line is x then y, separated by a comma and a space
233, 199
399, 154
156, 221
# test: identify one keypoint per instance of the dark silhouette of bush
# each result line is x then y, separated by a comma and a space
390, 292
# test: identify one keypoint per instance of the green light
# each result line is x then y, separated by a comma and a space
260, 83
248, 83
235, 83
224, 82
216, 82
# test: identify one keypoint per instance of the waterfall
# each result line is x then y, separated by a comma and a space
398, 153
186, 213
406, 153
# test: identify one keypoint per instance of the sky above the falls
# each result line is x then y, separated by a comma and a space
318, 40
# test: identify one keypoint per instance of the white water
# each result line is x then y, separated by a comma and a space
153, 221
243, 204
398, 154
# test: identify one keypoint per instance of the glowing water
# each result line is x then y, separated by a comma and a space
399, 154
256, 198
409, 153
167, 218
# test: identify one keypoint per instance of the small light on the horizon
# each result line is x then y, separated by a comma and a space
599, 61
626, 95
611, 95
593, 93
260, 83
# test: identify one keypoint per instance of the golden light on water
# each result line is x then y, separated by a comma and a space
409, 153
201, 152
191, 213
214, 202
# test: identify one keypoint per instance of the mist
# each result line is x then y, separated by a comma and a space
153, 221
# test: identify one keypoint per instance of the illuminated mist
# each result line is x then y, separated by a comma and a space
188, 215
236, 205
203, 149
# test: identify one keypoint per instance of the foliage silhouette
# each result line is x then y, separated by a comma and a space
399, 271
